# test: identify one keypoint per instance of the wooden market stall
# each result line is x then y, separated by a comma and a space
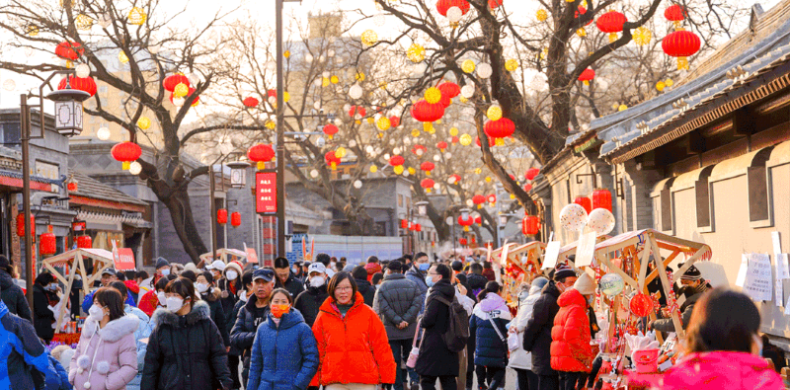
522, 264
570, 250
74, 262
226, 255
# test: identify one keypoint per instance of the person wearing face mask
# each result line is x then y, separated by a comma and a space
417, 275
108, 276
156, 297
537, 333
693, 286
143, 332
436, 360
106, 356
205, 286
162, 268
230, 285
43, 316
571, 353
723, 350
253, 313
309, 301
352, 342
185, 350
285, 353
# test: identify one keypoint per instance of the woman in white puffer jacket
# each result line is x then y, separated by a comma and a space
521, 360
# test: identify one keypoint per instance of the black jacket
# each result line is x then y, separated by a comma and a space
185, 352
13, 297
243, 333
309, 302
397, 300
476, 283
228, 303
435, 358
666, 325
217, 313
367, 290
537, 333
44, 318
294, 286
236, 309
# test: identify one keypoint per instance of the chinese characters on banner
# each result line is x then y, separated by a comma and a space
123, 258
266, 192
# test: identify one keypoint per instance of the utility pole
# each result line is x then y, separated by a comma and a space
25, 127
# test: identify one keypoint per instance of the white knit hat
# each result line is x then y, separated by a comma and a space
585, 284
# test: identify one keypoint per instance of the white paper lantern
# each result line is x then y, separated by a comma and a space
326, 74
448, 156
392, 142
419, 152
178, 102
308, 58
454, 14
469, 203
9, 85
396, 150
358, 184
314, 173
369, 149
387, 156
436, 186
468, 91
601, 221
451, 180
338, 122
407, 141
573, 217
355, 92
193, 78
135, 168
83, 70
484, 70
103, 133
437, 158
331, 53
405, 173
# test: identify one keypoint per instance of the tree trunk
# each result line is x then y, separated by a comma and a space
184, 224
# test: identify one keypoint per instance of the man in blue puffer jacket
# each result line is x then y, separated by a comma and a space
491, 354
284, 355
21, 350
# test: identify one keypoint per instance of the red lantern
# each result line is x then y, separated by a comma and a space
272, 93
87, 84
404, 224
490, 142
69, 50
47, 244
492, 199
20, 224
261, 154
235, 219
330, 130
530, 225
675, 13
479, 220
455, 179
222, 216
479, 200
427, 184
427, 167
527, 187
442, 145
190, 91
584, 202
419, 150
681, 44
72, 186
462, 241
444, 5
495, 3
357, 110
466, 222
84, 242
172, 81
417, 227
423, 111
602, 199
499, 129
641, 305
454, 140
394, 121
532, 173
126, 152
250, 102
611, 22
587, 76
332, 160
449, 91
397, 160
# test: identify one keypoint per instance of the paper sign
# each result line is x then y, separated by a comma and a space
586, 250
742, 271
758, 284
778, 293
252, 256
123, 258
780, 264
551, 255
266, 192
777, 240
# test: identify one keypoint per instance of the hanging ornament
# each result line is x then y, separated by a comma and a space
681, 44
494, 113
498, 130
416, 53
601, 221
383, 123
468, 91
444, 6
660, 86
466, 140
468, 66
675, 13
144, 123
511, 65
433, 95
484, 70
611, 284
454, 16
587, 76
137, 16
369, 38
581, 32
612, 23
83, 22
541, 15
573, 217
355, 92
642, 36
641, 305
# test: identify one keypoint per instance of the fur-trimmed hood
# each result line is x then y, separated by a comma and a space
114, 330
211, 295
200, 311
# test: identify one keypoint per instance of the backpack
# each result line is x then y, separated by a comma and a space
458, 331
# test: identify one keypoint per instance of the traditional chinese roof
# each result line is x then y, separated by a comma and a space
89, 191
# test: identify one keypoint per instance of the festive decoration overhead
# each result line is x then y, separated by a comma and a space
394, 121
602, 198
532, 173
222, 216
69, 50
493, 4
449, 90
427, 167
171, 82
419, 149
601, 221
641, 305
427, 184
433, 95
454, 179
675, 13
530, 225
137, 16
541, 15
441, 146
330, 130
47, 244
397, 160
511, 65
462, 241
573, 217
587, 76
383, 123
479, 200
126, 152
416, 53
500, 129
612, 23
642, 36
442, 6
466, 222
144, 123
369, 38
611, 284
491, 142
422, 111
250, 102
332, 159
584, 202
235, 219
681, 44
261, 154
468, 66
527, 187
20, 225
494, 113
466, 140
87, 84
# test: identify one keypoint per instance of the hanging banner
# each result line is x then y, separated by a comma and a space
586, 250
266, 192
123, 258
552, 253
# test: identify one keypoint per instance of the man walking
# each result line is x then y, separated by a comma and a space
397, 302
286, 279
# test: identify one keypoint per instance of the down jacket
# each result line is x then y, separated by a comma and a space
352, 348
185, 352
292, 285
21, 350
13, 297
570, 345
143, 332
718, 371
491, 350
537, 334
44, 317
243, 334
416, 276
211, 297
284, 356
309, 303
106, 357
435, 358
520, 358
397, 300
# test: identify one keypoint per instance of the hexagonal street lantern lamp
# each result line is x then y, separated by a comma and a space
238, 174
68, 109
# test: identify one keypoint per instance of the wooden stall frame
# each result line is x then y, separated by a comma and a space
223, 254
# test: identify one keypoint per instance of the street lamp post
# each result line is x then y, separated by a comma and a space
68, 122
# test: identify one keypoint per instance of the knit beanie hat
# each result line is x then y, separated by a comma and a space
563, 271
585, 284
161, 262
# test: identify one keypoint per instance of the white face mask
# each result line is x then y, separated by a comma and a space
96, 312
201, 287
162, 298
317, 281
174, 304
231, 275
165, 272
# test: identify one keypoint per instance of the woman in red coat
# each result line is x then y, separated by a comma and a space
353, 349
571, 353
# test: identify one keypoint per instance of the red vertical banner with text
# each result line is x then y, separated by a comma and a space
266, 192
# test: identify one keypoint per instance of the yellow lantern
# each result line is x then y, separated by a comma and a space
433, 95
468, 66
32, 30
359, 76
428, 127
463, 99
334, 79
511, 65
398, 169
137, 16
453, 131
416, 53
494, 113
374, 169
270, 124
180, 90
669, 82
412, 171
488, 179
581, 32
542, 15
340, 152
383, 86
660, 86
371, 120
478, 171
415, 133
642, 36
325, 82
144, 123
383, 123
622, 107
369, 38
287, 54
83, 22
466, 140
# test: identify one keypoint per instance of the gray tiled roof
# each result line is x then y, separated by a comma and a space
94, 189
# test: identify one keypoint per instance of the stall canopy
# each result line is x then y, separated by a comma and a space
525, 256
226, 255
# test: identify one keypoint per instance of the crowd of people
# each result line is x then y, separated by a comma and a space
409, 323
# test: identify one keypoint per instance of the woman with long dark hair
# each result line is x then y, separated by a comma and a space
106, 356
352, 341
488, 325
723, 347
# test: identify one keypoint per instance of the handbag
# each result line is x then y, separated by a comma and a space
415, 349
